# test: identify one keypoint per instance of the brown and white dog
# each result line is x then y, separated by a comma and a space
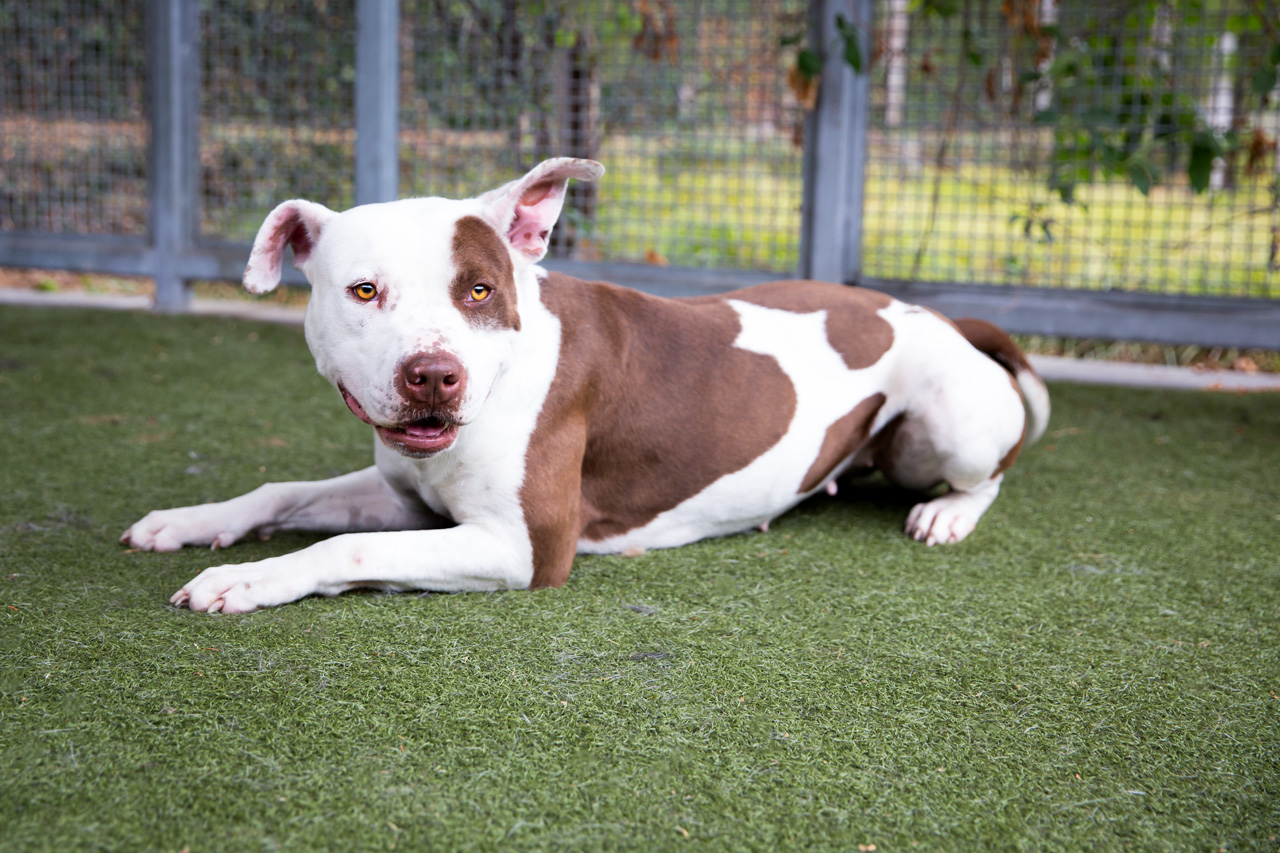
524, 416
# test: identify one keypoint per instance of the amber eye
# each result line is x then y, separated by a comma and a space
481, 292
365, 290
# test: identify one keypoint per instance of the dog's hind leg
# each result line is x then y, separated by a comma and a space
961, 434
958, 395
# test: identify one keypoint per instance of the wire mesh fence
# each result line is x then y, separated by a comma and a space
685, 101
277, 109
1060, 144
73, 121
687, 104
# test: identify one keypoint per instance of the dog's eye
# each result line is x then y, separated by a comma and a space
481, 292
364, 290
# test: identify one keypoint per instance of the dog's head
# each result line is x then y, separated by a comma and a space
415, 304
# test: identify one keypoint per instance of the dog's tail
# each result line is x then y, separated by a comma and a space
992, 340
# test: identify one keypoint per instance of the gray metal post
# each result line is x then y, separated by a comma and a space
836, 148
174, 80
377, 101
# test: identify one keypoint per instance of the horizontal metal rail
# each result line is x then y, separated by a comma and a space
1108, 315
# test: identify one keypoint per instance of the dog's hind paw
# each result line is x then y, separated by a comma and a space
937, 525
953, 516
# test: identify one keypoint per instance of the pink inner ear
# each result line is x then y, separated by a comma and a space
536, 212
287, 230
294, 232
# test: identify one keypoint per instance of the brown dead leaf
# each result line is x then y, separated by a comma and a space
1245, 364
652, 257
1259, 146
804, 87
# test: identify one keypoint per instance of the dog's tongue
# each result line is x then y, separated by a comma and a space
429, 428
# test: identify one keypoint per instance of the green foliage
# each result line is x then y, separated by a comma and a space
851, 39
809, 63
1120, 106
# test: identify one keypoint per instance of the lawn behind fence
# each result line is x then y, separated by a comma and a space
1098, 666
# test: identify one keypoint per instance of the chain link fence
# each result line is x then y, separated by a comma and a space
277, 109
1051, 144
73, 118
686, 103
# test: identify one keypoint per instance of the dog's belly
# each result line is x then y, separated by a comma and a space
826, 391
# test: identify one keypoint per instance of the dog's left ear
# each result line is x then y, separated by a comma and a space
526, 209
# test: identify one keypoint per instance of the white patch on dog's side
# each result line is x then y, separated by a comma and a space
826, 390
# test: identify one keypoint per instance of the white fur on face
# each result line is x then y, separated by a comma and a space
405, 248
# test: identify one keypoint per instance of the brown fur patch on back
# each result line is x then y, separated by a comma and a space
844, 438
651, 403
481, 257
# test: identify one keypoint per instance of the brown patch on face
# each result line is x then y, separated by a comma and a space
481, 257
854, 329
651, 404
844, 438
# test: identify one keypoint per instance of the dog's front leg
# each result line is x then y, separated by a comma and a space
469, 557
359, 501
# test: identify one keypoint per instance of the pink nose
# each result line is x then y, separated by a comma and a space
435, 381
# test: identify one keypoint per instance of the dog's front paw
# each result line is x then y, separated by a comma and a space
171, 529
242, 588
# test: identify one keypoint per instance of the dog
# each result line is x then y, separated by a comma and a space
524, 416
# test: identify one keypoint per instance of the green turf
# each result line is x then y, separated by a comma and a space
1096, 668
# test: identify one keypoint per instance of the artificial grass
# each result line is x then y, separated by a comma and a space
1098, 666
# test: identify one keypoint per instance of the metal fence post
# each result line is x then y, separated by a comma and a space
836, 147
174, 81
377, 101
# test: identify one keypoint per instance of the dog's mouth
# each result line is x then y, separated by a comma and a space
424, 435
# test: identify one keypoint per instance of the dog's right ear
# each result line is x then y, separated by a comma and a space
297, 223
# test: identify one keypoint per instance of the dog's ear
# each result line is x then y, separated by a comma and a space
295, 223
526, 209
